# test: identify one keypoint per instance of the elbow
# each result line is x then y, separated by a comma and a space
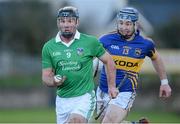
114, 67
112, 64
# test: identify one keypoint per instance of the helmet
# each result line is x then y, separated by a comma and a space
128, 13
68, 11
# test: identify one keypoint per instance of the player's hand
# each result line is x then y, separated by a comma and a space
113, 92
165, 91
58, 80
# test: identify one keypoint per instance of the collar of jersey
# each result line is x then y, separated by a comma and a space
76, 36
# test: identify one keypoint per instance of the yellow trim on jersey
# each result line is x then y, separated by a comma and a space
132, 83
154, 55
135, 81
134, 74
127, 63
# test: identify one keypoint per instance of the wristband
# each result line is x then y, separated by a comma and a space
164, 81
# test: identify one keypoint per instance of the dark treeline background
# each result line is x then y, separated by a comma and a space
26, 25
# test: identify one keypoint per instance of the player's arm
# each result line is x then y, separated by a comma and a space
165, 89
159, 66
111, 73
50, 79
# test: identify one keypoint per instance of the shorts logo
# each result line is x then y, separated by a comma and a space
138, 52
80, 51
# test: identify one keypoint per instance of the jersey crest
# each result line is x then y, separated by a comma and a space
80, 51
138, 52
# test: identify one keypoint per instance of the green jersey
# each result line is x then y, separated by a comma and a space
74, 61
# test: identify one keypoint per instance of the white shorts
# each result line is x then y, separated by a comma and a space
83, 105
123, 100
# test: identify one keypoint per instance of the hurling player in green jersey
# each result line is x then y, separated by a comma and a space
67, 63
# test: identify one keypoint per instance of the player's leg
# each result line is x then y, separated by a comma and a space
84, 107
62, 110
114, 114
102, 99
142, 120
76, 118
119, 107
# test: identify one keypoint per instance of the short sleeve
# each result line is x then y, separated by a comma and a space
46, 58
151, 50
98, 49
102, 41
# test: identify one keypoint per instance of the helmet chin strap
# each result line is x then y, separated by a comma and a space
67, 34
126, 37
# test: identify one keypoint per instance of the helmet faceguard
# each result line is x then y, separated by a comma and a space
68, 11
128, 13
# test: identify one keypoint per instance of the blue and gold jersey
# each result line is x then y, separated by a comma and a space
128, 57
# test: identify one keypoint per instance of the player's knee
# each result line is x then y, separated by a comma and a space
74, 120
107, 118
77, 119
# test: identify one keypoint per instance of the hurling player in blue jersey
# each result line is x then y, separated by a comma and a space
128, 49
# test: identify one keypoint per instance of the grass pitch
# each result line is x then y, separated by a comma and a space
47, 115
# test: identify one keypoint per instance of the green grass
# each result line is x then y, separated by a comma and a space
34, 115
47, 115
155, 116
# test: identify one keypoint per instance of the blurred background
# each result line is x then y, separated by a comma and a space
25, 25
